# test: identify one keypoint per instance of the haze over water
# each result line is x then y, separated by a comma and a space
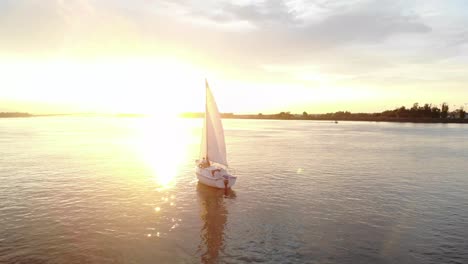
123, 190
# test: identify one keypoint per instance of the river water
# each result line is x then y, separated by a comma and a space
123, 190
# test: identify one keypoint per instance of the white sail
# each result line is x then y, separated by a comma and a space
213, 145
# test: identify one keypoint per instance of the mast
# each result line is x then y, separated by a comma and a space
206, 119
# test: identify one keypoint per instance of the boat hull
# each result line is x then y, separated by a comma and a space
215, 177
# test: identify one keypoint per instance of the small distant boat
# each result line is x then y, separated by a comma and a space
212, 166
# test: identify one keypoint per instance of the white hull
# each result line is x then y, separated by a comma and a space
215, 177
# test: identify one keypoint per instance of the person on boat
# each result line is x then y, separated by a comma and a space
205, 163
215, 172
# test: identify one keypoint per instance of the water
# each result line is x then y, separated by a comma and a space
123, 190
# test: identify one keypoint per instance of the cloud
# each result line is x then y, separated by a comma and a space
367, 21
245, 39
58, 27
283, 33
274, 11
29, 26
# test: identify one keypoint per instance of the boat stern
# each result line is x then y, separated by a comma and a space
229, 180
217, 180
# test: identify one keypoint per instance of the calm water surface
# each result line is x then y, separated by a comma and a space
123, 190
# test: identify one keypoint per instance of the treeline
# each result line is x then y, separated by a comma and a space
426, 113
14, 114
416, 113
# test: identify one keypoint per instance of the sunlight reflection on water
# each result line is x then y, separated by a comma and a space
123, 190
162, 143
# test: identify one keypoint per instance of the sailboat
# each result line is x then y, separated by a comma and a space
212, 165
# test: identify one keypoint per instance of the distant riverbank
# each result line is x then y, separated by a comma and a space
14, 114
21, 114
427, 113
325, 117
374, 119
317, 117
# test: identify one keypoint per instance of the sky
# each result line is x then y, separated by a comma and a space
144, 56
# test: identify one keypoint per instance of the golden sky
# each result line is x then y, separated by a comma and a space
259, 56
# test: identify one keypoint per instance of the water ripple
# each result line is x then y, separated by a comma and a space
82, 190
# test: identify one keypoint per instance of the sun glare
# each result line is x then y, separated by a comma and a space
162, 144
133, 85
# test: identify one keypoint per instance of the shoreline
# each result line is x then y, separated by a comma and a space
393, 120
317, 117
326, 117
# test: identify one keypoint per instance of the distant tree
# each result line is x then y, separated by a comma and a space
435, 112
461, 112
401, 112
260, 114
444, 110
304, 114
426, 110
284, 115
414, 110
